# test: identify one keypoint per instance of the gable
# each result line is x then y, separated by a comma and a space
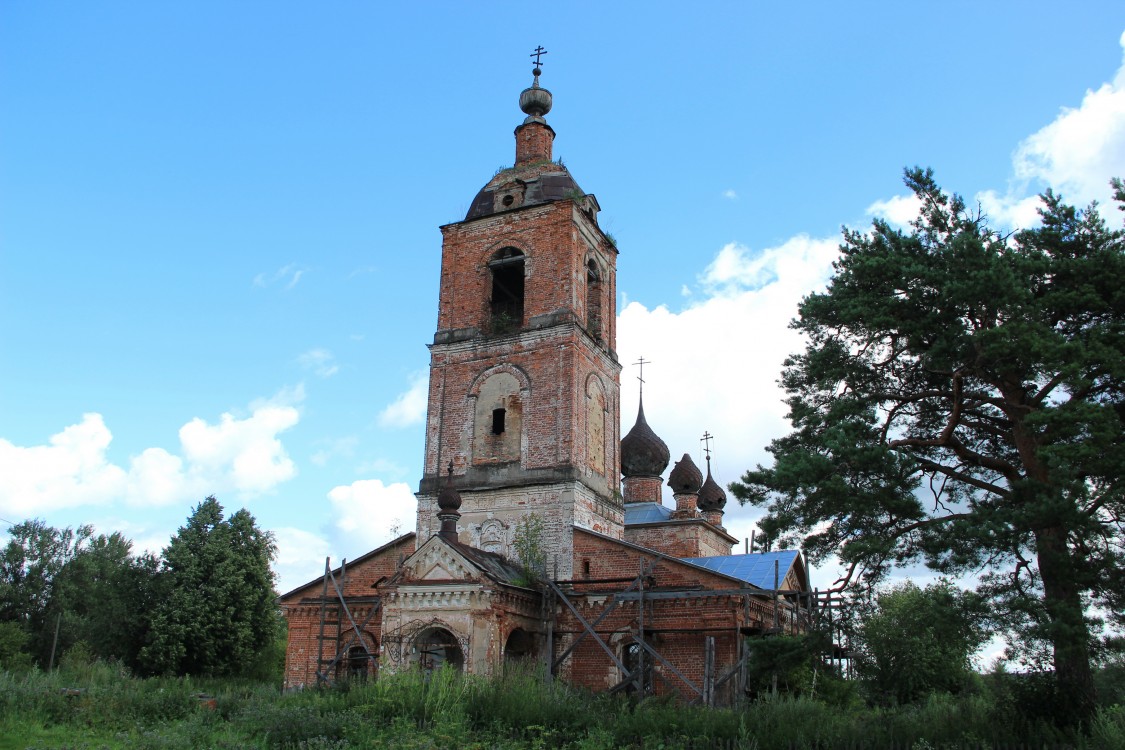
438, 561
362, 572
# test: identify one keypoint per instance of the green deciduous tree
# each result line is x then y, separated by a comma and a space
218, 613
914, 641
962, 401
103, 597
91, 588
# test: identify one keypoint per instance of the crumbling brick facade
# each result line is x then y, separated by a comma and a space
523, 423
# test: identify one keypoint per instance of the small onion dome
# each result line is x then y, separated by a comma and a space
711, 495
686, 477
643, 453
449, 499
535, 101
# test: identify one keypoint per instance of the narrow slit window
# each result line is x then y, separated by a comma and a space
497, 421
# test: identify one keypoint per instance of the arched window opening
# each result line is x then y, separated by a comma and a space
593, 300
359, 663
506, 303
435, 647
497, 420
520, 647
638, 665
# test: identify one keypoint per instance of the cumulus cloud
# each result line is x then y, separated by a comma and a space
1085, 146
715, 363
730, 194
319, 361
369, 513
300, 557
73, 468
1075, 155
899, 210
410, 406
286, 277
243, 453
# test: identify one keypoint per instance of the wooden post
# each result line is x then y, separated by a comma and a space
709, 671
641, 631
320, 637
54, 643
549, 605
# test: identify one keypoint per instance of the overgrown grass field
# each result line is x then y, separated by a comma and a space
101, 708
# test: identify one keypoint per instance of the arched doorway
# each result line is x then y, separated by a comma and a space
634, 658
520, 648
434, 647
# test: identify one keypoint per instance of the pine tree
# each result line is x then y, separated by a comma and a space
962, 401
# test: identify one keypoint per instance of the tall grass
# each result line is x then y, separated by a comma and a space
102, 708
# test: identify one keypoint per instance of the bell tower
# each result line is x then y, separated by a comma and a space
524, 377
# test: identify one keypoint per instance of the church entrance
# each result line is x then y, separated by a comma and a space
437, 646
520, 648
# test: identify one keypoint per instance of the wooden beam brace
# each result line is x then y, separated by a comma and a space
587, 626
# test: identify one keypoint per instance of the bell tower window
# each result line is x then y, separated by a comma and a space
498, 421
506, 303
593, 300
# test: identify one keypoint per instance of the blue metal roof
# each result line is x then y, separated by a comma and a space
755, 568
646, 513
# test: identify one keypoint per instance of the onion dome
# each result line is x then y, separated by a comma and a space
449, 499
643, 453
686, 477
535, 101
711, 495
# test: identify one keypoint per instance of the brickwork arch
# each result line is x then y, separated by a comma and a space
597, 413
497, 398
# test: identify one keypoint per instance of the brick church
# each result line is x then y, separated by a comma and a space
541, 534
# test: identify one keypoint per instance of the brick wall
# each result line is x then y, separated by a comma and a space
302, 610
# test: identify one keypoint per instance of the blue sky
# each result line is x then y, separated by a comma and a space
218, 221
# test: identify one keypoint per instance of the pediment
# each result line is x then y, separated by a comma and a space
437, 561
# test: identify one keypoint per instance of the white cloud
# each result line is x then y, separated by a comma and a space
1078, 152
287, 276
319, 361
716, 363
410, 406
730, 195
70, 470
900, 209
369, 513
1075, 155
73, 468
300, 557
245, 453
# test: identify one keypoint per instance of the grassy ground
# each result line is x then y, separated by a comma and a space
103, 709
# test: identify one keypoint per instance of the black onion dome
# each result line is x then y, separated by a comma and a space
449, 499
711, 495
643, 453
686, 477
